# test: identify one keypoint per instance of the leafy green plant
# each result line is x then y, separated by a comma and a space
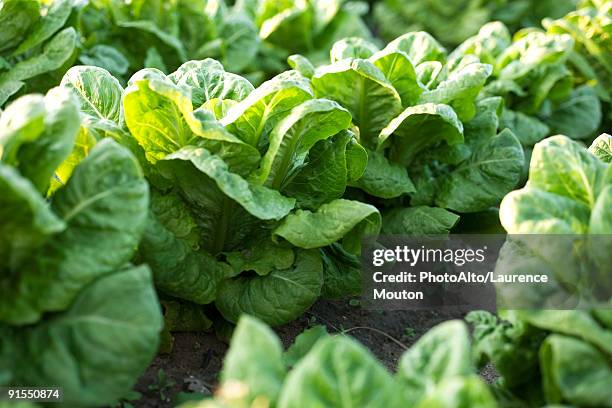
531, 71
167, 32
35, 41
321, 370
251, 36
433, 145
73, 311
453, 21
308, 27
591, 59
246, 211
564, 354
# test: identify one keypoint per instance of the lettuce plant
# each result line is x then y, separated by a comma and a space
308, 27
531, 72
73, 311
34, 42
591, 59
247, 184
453, 21
321, 370
568, 192
590, 27
169, 33
433, 144
250, 36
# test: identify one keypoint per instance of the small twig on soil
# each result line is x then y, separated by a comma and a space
393, 339
327, 323
345, 331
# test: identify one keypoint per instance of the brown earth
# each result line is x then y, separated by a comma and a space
196, 358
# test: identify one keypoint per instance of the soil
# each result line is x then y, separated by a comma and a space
194, 363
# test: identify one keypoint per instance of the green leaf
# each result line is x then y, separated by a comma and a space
150, 27
46, 26
442, 353
104, 207
262, 257
531, 51
383, 178
399, 71
240, 42
301, 64
26, 220
483, 126
22, 122
37, 134
106, 57
459, 89
470, 391
600, 226
98, 92
574, 372
96, 368
155, 60
219, 107
492, 39
338, 220
577, 323
601, 214
579, 116
262, 202
277, 298
352, 47
292, 22
154, 113
303, 343
492, 171
419, 220
602, 148
17, 17
159, 115
359, 86
418, 128
325, 13
562, 166
500, 341
9, 88
328, 168
531, 210
86, 139
174, 214
179, 270
255, 360
341, 272
356, 158
254, 117
528, 129
339, 371
293, 136
419, 46
208, 80
427, 72
54, 54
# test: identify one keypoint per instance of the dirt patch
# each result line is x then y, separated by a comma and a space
196, 358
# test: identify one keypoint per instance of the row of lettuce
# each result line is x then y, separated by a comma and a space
254, 200
544, 358
42, 39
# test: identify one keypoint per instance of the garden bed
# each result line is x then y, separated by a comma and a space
196, 359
